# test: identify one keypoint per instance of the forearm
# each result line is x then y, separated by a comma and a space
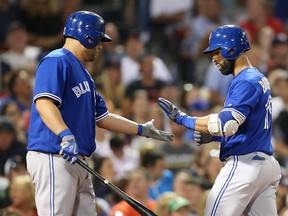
118, 124
50, 115
201, 124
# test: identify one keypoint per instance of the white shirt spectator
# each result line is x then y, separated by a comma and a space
130, 70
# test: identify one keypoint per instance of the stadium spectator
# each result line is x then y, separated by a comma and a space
22, 195
147, 82
161, 178
9, 145
14, 166
20, 90
19, 54
168, 24
138, 186
279, 53
11, 110
104, 166
130, 67
44, 23
195, 189
9, 12
178, 153
260, 15
180, 179
124, 158
163, 201
111, 80
179, 206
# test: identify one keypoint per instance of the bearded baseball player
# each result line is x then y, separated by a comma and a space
247, 183
65, 111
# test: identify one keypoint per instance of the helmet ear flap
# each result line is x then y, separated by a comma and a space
232, 51
91, 41
229, 53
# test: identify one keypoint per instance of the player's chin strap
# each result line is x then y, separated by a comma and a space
226, 123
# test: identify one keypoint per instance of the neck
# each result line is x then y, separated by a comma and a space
142, 199
241, 63
19, 49
148, 80
73, 46
24, 100
24, 208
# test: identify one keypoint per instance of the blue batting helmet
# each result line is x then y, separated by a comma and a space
87, 27
231, 39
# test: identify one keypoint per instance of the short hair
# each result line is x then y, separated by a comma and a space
6, 125
116, 142
150, 157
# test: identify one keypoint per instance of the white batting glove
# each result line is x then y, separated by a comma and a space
148, 130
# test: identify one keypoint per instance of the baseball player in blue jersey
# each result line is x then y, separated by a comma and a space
247, 183
65, 110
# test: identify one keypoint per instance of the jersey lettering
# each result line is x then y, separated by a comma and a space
268, 107
265, 84
81, 89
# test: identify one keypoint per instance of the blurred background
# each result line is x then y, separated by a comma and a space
156, 51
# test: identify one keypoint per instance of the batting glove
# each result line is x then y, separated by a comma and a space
69, 147
148, 130
171, 110
202, 138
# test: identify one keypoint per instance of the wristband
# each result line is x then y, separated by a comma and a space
65, 133
140, 127
216, 138
189, 122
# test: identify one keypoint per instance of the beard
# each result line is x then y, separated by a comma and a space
227, 67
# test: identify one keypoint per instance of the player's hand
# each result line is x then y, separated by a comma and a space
171, 110
69, 147
202, 138
148, 130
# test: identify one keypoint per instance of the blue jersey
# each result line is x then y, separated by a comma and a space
61, 77
249, 96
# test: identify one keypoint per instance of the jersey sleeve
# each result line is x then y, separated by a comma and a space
101, 109
50, 80
242, 99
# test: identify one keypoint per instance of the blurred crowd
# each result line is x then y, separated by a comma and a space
156, 51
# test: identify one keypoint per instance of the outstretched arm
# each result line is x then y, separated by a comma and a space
123, 125
200, 124
225, 123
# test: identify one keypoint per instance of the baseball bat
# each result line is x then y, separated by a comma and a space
141, 209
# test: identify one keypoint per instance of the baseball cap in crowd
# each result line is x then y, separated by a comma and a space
15, 25
276, 75
280, 38
15, 163
177, 203
6, 125
199, 105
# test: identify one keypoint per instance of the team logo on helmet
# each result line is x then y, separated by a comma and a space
210, 37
